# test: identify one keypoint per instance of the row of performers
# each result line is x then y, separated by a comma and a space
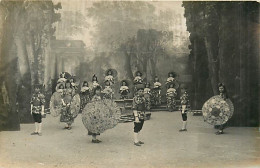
101, 114
152, 94
98, 114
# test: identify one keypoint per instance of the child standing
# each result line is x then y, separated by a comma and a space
184, 109
109, 77
96, 97
171, 97
124, 90
147, 96
66, 115
171, 77
156, 91
138, 78
157, 83
139, 112
37, 109
100, 115
108, 92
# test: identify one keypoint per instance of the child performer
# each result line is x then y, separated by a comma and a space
62, 78
156, 83
171, 95
108, 92
96, 97
224, 95
109, 77
124, 90
66, 115
37, 109
138, 78
139, 113
147, 89
73, 83
147, 96
184, 109
171, 77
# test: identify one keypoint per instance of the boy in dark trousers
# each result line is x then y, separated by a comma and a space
139, 112
37, 109
184, 109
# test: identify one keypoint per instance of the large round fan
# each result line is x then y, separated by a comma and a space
55, 104
217, 111
98, 116
75, 105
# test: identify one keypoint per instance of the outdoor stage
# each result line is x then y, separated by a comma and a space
164, 145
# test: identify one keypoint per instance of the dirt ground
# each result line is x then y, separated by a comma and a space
164, 146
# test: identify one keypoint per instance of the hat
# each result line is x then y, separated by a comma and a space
139, 73
139, 87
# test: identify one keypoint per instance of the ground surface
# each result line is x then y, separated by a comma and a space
164, 145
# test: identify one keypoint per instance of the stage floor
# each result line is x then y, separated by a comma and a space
164, 145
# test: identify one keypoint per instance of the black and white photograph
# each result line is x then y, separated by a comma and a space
129, 84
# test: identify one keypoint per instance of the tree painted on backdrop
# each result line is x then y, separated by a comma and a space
117, 27
222, 50
26, 30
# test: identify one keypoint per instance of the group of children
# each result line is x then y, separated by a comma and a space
67, 102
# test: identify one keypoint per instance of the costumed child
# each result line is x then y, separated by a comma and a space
138, 78
95, 82
184, 109
73, 83
171, 77
139, 112
218, 109
84, 95
147, 96
66, 115
224, 95
156, 84
109, 77
124, 90
62, 78
147, 89
100, 115
156, 91
107, 91
171, 94
37, 109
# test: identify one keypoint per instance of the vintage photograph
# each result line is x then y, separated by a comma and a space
127, 84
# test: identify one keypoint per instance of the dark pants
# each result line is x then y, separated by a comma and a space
184, 116
138, 126
37, 117
221, 127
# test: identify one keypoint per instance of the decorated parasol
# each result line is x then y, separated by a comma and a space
101, 115
75, 105
217, 111
55, 104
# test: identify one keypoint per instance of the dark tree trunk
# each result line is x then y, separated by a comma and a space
212, 66
128, 68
